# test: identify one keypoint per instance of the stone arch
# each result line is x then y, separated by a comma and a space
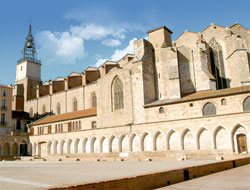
123, 143
203, 139
94, 145
220, 140
69, 142
239, 129
104, 145
55, 147
49, 147
246, 104
117, 93
187, 140
113, 144
84, 145
15, 149
76, 145
172, 140
145, 142
134, 143
158, 141
6, 149
62, 146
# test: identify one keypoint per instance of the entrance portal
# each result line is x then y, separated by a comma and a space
241, 143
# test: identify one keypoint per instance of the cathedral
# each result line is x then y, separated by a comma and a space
186, 97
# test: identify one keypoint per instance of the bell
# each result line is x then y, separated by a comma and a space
29, 44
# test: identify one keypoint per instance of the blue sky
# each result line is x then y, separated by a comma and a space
71, 35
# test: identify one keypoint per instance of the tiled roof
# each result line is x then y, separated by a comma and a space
158, 28
66, 116
202, 95
5, 86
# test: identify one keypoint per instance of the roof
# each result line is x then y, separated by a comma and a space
212, 24
5, 86
202, 95
65, 116
158, 28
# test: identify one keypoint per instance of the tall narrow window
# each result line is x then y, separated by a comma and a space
3, 119
118, 94
94, 103
4, 105
43, 109
4, 93
58, 108
31, 112
74, 104
217, 65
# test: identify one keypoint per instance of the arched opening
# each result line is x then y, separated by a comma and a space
94, 145
239, 138
49, 145
69, 146
15, 149
104, 145
94, 100
6, 149
187, 140
145, 142
113, 144
158, 141
23, 148
76, 144
62, 146
55, 147
134, 143
173, 140
209, 109
220, 138
84, 145
203, 139
42, 151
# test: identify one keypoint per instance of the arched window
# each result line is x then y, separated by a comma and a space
246, 104
43, 109
161, 110
31, 112
94, 103
118, 94
209, 109
58, 108
223, 102
217, 64
75, 104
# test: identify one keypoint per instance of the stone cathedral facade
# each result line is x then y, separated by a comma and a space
189, 96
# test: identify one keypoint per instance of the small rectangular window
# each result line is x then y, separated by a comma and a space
94, 125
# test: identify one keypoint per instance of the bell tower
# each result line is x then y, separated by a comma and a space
28, 73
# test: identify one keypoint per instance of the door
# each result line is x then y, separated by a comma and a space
241, 143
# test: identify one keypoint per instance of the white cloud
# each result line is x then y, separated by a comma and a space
68, 46
97, 32
111, 42
100, 62
62, 46
119, 53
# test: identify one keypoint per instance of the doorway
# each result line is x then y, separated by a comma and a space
241, 143
42, 149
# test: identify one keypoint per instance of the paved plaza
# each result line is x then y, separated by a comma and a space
36, 174
41, 174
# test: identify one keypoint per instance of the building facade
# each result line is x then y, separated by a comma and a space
190, 96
